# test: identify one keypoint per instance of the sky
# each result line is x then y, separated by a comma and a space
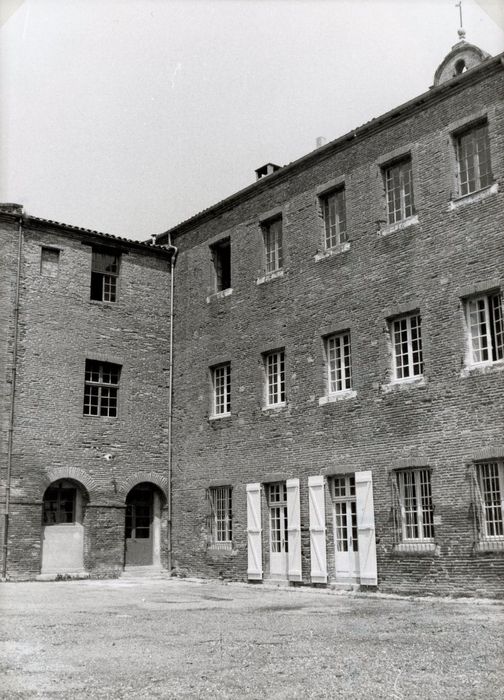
129, 116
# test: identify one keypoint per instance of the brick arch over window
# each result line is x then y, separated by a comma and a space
85, 480
139, 477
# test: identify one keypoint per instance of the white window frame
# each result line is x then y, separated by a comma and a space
467, 162
339, 371
398, 177
414, 490
221, 520
333, 208
221, 390
484, 316
273, 245
411, 325
490, 495
274, 369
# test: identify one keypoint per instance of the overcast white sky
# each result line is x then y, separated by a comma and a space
128, 116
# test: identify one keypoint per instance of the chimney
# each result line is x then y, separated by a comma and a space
267, 169
320, 141
9, 208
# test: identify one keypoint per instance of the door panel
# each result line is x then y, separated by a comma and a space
345, 528
279, 536
139, 540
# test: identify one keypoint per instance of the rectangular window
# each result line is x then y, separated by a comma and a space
104, 275
485, 324
407, 347
490, 477
273, 248
473, 159
334, 213
101, 387
221, 521
399, 191
221, 377
49, 262
275, 378
417, 511
339, 365
221, 256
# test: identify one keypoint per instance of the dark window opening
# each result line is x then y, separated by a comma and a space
221, 255
59, 504
49, 262
104, 275
460, 67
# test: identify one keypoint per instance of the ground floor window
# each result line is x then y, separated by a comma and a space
221, 519
489, 483
60, 503
415, 510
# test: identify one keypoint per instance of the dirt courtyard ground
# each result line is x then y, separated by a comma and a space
187, 639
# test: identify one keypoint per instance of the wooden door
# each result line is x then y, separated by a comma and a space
139, 536
279, 535
345, 528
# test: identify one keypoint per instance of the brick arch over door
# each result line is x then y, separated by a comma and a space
139, 477
53, 474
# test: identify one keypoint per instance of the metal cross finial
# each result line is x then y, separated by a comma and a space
459, 5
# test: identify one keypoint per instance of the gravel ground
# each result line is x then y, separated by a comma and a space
192, 639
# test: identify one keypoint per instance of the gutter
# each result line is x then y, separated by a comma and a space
8, 479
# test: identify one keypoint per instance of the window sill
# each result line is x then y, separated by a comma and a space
473, 197
416, 548
331, 252
277, 408
270, 276
403, 384
102, 302
219, 295
387, 229
220, 547
340, 396
221, 416
489, 546
480, 370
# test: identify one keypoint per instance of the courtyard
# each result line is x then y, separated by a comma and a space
171, 638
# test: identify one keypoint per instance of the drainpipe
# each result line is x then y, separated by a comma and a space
170, 400
8, 478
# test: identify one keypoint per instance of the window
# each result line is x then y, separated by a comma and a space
221, 520
485, 324
490, 493
275, 378
104, 275
415, 505
221, 378
339, 366
399, 191
473, 159
272, 232
407, 347
49, 262
101, 388
59, 503
221, 256
334, 213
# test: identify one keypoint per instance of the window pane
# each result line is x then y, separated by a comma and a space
399, 191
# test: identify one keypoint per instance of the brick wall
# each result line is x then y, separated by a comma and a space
443, 422
59, 328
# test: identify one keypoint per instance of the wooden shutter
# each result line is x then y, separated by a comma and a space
317, 529
294, 530
254, 532
366, 528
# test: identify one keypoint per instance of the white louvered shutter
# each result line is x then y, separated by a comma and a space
317, 529
294, 530
254, 532
366, 528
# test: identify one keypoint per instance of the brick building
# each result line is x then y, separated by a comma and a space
339, 341
338, 349
84, 332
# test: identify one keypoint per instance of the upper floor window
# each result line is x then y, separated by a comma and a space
221, 257
473, 159
416, 508
273, 245
399, 190
406, 332
221, 520
485, 324
274, 364
101, 386
49, 261
490, 496
339, 362
334, 214
104, 275
221, 379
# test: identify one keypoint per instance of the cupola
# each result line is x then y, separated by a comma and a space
462, 57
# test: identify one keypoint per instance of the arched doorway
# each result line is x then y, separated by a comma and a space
143, 526
62, 528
